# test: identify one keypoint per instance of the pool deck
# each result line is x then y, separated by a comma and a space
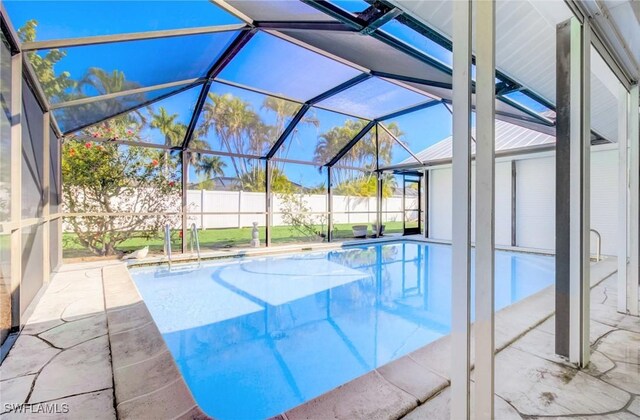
90, 343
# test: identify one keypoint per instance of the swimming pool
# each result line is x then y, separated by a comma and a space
256, 337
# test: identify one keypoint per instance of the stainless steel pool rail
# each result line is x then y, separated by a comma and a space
195, 240
167, 243
598, 244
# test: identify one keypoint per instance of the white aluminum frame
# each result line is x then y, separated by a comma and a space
461, 217
633, 122
485, 209
623, 201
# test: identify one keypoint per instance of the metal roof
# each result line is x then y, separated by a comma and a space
508, 137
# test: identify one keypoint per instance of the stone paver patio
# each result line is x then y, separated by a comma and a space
64, 355
531, 381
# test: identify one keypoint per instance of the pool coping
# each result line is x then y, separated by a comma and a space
147, 381
234, 253
149, 384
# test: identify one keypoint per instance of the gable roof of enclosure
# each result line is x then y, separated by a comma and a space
362, 47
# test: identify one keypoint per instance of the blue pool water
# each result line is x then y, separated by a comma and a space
256, 337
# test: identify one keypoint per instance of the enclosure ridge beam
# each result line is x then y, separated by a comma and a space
352, 143
533, 114
287, 131
238, 43
380, 20
134, 36
303, 25
409, 110
410, 79
337, 13
397, 140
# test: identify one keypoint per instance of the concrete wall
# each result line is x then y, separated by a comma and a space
535, 200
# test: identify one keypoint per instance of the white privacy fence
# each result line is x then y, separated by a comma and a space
236, 209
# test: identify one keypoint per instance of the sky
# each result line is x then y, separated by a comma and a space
266, 63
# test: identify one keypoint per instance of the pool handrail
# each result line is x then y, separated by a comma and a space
598, 244
195, 239
167, 243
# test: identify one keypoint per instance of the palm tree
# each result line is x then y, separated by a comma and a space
166, 123
210, 167
331, 142
386, 142
104, 83
173, 134
98, 80
284, 111
239, 129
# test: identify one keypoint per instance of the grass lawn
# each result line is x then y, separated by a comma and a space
219, 238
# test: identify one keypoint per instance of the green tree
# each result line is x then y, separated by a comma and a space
354, 174
55, 87
167, 125
110, 178
237, 126
104, 83
210, 167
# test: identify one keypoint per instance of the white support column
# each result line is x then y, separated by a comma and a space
573, 147
623, 191
461, 217
184, 199
582, 211
46, 189
16, 188
485, 209
425, 201
58, 181
633, 121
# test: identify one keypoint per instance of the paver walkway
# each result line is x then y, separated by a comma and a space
61, 362
532, 382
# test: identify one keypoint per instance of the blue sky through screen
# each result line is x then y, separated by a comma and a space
266, 62
72, 19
